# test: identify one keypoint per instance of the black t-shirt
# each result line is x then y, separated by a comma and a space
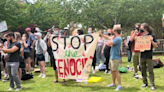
148, 54
15, 56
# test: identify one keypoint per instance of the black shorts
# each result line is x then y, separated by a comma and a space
40, 57
27, 55
54, 63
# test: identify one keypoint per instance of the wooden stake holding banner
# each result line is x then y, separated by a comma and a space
74, 55
142, 43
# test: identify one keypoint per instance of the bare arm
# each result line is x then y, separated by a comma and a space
49, 42
154, 44
13, 49
162, 22
125, 42
25, 44
33, 44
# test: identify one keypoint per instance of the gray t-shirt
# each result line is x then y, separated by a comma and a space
39, 48
31, 39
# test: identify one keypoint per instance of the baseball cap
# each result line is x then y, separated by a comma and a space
38, 34
28, 29
66, 28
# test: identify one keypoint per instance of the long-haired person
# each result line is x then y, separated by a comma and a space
106, 49
27, 54
146, 57
135, 53
21, 60
99, 48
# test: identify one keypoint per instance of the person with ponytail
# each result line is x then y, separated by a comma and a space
146, 57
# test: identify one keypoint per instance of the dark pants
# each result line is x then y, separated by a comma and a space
129, 53
107, 56
147, 63
94, 61
51, 55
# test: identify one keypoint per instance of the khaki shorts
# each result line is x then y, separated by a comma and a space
114, 64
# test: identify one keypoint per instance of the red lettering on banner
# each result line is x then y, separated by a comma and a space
66, 68
72, 63
78, 72
70, 66
59, 67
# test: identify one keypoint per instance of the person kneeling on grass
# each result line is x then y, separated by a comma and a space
115, 42
41, 48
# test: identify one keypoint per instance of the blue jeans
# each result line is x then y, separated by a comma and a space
99, 55
129, 53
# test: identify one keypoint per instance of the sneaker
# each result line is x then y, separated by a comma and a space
152, 88
111, 85
5, 75
93, 71
109, 72
18, 89
5, 80
40, 75
44, 76
135, 75
106, 71
10, 89
119, 88
144, 85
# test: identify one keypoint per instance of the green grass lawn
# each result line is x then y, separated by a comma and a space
129, 83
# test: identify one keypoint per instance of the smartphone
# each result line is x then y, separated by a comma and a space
163, 15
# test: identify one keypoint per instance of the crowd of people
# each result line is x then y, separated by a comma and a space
18, 49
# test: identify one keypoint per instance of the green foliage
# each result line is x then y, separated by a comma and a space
100, 14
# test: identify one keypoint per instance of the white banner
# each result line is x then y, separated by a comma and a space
3, 26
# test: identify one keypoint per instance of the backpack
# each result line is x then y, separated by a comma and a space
26, 76
122, 70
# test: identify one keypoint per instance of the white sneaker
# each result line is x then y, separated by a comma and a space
109, 72
10, 89
106, 71
44, 76
40, 75
93, 71
5, 75
18, 89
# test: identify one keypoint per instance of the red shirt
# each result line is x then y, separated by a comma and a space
140, 34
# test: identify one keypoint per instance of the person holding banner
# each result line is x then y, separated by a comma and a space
135, 53
55, 32
106, 49
115, 42
146, 57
